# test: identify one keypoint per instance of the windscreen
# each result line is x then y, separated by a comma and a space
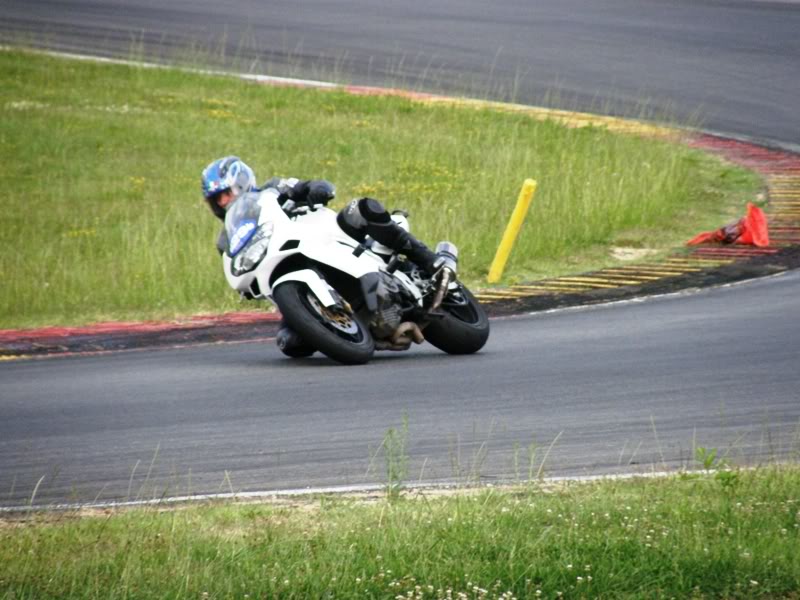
241, 221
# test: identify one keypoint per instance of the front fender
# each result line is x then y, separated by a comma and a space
315, 283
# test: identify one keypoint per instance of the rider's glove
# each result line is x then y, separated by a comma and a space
320, 191
298, 192
311, 192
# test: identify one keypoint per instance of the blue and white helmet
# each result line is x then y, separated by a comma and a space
229, 173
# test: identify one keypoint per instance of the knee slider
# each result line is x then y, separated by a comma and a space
373, 211
352, 222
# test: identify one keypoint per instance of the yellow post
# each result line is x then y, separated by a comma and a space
512, 230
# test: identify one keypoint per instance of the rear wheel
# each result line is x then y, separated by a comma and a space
464, 328
335, 330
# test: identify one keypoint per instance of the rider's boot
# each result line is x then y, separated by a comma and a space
393, 236
290, 343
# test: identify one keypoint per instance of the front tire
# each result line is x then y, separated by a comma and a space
334, 331
464, 328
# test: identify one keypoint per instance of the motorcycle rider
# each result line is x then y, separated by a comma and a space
224, 180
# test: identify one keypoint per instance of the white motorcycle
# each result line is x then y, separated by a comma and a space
343, 298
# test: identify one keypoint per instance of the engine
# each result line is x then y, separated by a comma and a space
389, 314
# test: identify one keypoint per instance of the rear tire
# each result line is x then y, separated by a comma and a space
465, 327
334, 331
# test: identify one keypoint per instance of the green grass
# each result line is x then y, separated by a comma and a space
686, 536
104, 220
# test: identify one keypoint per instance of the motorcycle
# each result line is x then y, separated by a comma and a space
344, 298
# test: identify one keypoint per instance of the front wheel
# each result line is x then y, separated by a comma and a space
464, 328
334, 331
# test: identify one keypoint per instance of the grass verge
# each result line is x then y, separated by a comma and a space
103, 163
731, 534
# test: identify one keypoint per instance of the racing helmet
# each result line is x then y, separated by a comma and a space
228, 173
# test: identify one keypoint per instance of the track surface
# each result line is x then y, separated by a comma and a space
627, 386
632, 386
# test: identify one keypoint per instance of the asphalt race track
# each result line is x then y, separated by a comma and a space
626, 387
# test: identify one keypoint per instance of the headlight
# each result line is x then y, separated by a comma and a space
254, 252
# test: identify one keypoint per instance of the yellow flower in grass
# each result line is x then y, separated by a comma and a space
79, 233
215, 102
364, 124
167, 98
218, 113
366, 189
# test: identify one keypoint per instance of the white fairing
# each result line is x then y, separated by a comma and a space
315, 283
315, 235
